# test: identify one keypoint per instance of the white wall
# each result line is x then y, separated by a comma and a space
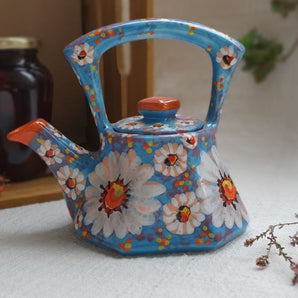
258, 134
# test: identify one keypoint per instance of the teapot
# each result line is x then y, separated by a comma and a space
156, 184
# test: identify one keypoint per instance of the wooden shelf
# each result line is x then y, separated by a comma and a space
35, 191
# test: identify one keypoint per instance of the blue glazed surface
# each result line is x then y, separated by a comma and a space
147, 193
137, 125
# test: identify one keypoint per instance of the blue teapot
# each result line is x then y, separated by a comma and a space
156, 184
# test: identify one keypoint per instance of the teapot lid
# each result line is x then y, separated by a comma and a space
158, 116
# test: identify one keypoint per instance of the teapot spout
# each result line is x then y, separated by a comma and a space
63, 157
28, 132
40, 135
50, 144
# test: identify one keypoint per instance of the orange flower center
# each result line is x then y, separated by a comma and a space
227, 191
115, 195
71, 183
191, 140
184, 214
50, 153
82, 55
227, 59
157, 125
171, 160
131, 123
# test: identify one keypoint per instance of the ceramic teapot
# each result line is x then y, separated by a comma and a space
156, 183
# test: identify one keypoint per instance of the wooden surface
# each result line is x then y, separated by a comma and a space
140, 83
35, 191
122, 90
126, 72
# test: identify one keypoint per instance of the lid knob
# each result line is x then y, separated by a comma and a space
158, 109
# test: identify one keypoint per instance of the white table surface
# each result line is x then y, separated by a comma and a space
40, 255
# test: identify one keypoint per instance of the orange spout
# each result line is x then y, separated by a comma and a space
27, 132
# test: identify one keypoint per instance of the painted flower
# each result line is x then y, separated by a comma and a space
158, 126
217, 192
190, 140
121, 199
131, 125
226, 57
50, 153
102, 141
56, 132
183, 214
72, 181
171, 159
83, 54
184, 122
78, 220
77, 148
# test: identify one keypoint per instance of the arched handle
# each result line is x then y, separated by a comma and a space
85, 52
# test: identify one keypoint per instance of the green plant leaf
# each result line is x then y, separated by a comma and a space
261, 54
284, 7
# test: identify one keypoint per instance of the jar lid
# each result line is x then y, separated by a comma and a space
14, 43
158, 117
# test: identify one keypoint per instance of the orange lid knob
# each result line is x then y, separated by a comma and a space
158, 109
159, 104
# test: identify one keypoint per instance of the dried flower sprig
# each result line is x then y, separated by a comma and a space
295, 269
294, 239
263, 261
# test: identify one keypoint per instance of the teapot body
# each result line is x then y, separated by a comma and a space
145, 193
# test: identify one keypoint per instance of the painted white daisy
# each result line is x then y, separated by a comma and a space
190, 140
217, 192
56, 132
160, 126
171, 159
83, 54
50, 153
121, 199
131, 125
77, 148
184, 122
78, 220
183, 214
72, 181
102, 141
227, 57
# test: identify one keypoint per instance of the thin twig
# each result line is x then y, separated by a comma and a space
263, 261
273, 241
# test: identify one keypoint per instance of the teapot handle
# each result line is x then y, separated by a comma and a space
85, 52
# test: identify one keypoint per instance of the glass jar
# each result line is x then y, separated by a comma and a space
25, 94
